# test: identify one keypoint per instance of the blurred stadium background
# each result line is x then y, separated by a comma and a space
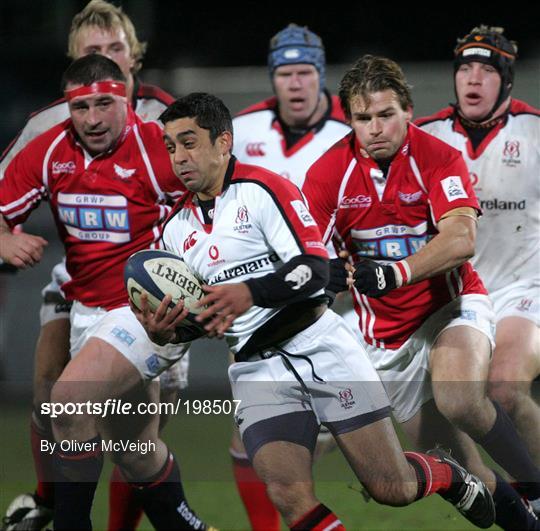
220, 50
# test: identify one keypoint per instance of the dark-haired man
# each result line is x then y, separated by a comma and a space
498, 137
107, 177
297, 363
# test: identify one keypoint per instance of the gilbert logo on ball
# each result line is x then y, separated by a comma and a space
161, 273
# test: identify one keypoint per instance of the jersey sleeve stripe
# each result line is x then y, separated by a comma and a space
45, 167
329, 229
28, 200
344, 181
417, 174
22, 200
147, 163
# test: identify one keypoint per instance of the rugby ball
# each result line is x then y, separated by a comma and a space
161, 273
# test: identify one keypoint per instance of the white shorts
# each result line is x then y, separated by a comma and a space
405, 371
54, 305
120, 328
350, 388
519, 299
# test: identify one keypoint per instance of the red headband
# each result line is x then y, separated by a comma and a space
107, 87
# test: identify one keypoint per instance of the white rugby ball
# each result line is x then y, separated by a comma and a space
161, 273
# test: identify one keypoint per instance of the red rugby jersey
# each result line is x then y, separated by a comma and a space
105, 208
389, 218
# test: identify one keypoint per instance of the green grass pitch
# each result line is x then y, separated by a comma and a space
201, 446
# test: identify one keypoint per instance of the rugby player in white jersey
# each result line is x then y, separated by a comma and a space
102, 28
498, 137
297, 363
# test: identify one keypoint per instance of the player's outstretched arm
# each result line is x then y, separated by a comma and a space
21, 250
452, 247
161, 325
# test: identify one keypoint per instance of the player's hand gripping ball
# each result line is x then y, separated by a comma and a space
160, 273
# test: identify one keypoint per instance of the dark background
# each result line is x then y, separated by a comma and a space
33, 36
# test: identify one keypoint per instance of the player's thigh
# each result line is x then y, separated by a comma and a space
459, 364
99, 371
51, 356
517, 353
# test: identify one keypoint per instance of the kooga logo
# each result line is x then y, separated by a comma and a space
499, 204
63, 167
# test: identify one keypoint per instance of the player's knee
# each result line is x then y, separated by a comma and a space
464, 409
126, 460
64, 408
507, 394
287, 497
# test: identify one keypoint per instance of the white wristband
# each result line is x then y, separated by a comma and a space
402, 272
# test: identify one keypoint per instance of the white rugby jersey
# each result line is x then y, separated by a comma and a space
505, 172
148, 103
259, 139
260, 222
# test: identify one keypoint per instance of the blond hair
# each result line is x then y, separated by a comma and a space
107, 17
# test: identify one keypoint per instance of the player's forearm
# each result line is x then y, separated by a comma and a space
4, 227
299, 278
5, 232
446, 251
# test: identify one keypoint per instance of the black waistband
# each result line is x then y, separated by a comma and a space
283, 326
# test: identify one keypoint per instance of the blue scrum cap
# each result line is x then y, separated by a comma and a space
297, 45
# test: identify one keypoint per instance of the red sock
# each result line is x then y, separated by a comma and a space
125, 511
262, 514
43, 464
432, 476
321, 518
